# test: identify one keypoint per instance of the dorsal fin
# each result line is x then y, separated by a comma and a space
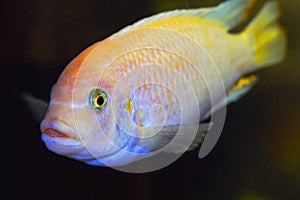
229, 14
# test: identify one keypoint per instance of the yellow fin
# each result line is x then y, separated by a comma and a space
241, 88
268, 37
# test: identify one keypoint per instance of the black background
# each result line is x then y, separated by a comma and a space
257, 156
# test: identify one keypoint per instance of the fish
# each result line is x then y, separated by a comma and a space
146, 90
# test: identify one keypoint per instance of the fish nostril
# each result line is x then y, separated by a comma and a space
54, 133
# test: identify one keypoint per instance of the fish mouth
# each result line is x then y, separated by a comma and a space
54, 133
60, 138
57, 129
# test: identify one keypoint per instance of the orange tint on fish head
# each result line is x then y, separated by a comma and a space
62, 90
68, 76
61, 94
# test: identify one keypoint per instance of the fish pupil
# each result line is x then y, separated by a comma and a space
100, 100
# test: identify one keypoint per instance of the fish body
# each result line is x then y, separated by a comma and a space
125, 97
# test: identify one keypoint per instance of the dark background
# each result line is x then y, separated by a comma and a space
257, 156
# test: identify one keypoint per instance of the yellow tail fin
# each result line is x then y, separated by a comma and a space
268, 37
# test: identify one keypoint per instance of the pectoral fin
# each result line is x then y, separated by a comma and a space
179, 138
38, 107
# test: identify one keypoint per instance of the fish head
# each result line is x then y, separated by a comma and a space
80, 122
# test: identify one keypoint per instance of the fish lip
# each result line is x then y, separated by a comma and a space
56, 128
52, 132
63, 146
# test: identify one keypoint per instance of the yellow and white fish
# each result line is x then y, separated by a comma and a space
125, 97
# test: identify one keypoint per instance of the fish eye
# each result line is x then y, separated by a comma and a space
98, 99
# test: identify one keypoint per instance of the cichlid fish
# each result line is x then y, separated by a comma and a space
126, 97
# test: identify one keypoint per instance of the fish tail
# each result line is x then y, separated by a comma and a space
268, 37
